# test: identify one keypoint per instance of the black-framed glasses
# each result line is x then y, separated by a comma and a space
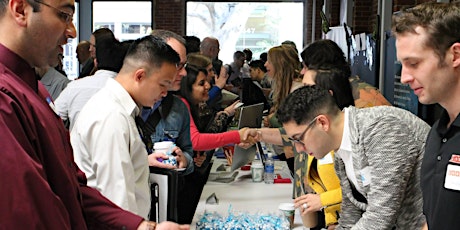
299, 140
67, 17
181, 65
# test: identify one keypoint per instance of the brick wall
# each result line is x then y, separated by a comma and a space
170, 15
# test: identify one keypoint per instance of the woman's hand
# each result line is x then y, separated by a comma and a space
250, 135
230, 110
199, 158
308, 203
221, 80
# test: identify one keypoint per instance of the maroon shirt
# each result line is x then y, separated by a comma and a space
40, 185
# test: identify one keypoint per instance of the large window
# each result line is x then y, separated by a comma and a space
127, 19
239, 25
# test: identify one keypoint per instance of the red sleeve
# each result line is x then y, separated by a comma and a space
209, 141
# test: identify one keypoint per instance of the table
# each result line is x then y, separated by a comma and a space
245, 195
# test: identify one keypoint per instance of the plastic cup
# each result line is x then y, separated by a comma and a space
288, 211
257, 171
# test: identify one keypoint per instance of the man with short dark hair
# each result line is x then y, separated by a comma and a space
378, 154
106, 141
428, 46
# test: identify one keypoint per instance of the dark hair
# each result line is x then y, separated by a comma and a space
290, 44
440, 20
151, 51
325, 54
192, 44
110, 53
338, 82
238, 54
263, 56
305, 103
248, 54
258, 64
186, 91
102, 32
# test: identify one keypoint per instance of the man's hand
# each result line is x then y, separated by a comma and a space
166, 225
181, 160
153, 160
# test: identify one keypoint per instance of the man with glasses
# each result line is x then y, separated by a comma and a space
168, 119
378, 156
42, 188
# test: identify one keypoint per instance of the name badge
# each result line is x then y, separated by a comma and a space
452, 180
366, 176
326, 160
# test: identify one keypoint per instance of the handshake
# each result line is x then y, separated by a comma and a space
248, 137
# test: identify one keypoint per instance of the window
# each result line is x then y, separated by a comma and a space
239, 25
127, 19
69, 62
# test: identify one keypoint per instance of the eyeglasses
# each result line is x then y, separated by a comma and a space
67, 17
181, 65
299, 140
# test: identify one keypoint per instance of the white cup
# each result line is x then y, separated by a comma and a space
257, 171
288, 211
163, 146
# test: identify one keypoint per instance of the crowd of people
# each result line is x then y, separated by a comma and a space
78, 152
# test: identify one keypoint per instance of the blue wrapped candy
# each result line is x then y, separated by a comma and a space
241, 221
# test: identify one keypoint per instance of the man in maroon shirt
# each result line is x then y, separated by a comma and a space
41, 187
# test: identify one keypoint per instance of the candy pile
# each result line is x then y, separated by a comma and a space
246, 221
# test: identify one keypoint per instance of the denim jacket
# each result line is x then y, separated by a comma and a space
175, 126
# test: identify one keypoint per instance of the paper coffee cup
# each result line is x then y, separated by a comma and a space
309, 220
288, 211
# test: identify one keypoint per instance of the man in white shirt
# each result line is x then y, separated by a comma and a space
107, 144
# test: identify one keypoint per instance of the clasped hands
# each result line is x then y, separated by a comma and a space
248, 137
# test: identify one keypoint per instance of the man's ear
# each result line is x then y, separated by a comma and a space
20, 11
139, 74
456, 54
324, 122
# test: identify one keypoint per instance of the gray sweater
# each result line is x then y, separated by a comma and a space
390, 142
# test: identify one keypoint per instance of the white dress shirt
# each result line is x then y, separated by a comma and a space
108, 148
78, 92
346, 152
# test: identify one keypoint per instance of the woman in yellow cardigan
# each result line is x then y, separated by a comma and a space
324, 65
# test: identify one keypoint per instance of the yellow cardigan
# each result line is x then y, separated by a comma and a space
327, 186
